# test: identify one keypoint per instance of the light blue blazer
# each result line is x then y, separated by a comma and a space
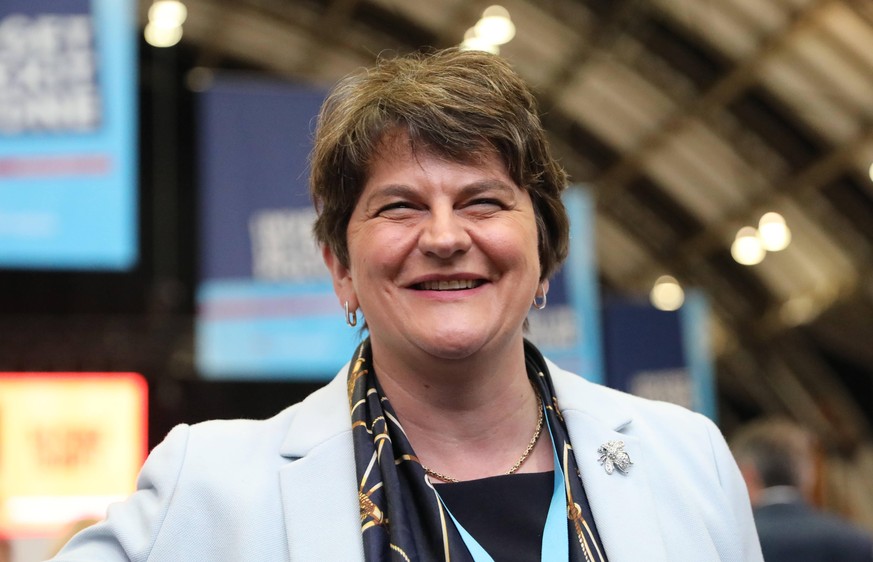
285, 488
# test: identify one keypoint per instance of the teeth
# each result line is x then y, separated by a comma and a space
452, 285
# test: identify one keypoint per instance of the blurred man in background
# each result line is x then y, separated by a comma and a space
778, 461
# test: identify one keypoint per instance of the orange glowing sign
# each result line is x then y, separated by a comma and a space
70, 444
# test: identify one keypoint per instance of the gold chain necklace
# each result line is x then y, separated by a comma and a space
521, 459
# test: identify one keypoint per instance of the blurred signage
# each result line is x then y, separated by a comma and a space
266, 306
567, 331
70, 444
67, 134
661, 355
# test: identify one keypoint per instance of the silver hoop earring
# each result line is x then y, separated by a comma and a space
540, 304
351, 318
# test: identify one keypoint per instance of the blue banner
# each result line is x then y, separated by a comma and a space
661, 355
266, 306
694, 316
567, 331
67, 134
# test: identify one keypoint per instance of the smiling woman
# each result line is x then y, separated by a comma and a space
448, 436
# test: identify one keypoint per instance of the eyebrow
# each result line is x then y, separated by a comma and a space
402, 191
487, 185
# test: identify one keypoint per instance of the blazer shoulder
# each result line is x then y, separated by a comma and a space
619, 408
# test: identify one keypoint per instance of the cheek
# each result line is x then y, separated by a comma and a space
377, 252
516, 250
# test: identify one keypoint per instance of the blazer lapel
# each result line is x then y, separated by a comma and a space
623, 504
319, 491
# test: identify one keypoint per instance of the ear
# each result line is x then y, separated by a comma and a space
343, 284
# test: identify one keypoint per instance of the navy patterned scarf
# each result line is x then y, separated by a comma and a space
402, 518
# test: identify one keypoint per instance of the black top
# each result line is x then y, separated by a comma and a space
505, 514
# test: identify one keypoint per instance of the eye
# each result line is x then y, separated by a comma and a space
488, 202
484, 206
395, 209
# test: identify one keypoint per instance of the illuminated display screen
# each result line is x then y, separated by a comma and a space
70, 444
67, 134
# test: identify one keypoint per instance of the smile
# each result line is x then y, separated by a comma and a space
453, 285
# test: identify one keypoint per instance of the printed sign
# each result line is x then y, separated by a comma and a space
67, 134
266, 306
70, 444
661, 355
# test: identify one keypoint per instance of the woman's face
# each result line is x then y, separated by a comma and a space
442, 255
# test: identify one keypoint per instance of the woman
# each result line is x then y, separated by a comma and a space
448, 436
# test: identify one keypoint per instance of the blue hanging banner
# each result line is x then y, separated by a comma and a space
266, 306
567, 330
661, 355
68, 134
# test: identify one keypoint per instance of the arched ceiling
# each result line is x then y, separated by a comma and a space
688, 119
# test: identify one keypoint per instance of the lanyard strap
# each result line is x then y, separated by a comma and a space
556, 545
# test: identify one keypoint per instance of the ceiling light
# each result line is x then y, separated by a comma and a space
158, 36
472, 42
870, 172
168, 13
667, 294
495, 26
747, 249
773, 232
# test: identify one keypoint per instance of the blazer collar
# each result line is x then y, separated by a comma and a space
319, 489
623, 505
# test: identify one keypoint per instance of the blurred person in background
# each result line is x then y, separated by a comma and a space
778, 461
448, 436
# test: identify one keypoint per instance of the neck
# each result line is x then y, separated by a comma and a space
468, 418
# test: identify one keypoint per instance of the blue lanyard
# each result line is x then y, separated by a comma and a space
556, 546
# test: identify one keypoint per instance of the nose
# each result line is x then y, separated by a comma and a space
444, 235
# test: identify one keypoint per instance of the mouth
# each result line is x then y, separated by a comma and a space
452, 285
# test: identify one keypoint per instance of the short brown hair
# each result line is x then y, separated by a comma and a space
456, 104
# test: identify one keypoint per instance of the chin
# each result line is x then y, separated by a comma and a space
456, 346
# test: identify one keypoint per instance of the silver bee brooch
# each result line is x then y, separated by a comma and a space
613, 455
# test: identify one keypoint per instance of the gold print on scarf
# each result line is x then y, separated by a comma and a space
371, 511
443, 530
574, 514
371, 515
358, 371
399, 551
554, 405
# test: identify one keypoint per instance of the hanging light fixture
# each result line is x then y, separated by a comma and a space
773, 232
495, 26
667, 294
747, 248
472, 42
164, 28
493, 29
